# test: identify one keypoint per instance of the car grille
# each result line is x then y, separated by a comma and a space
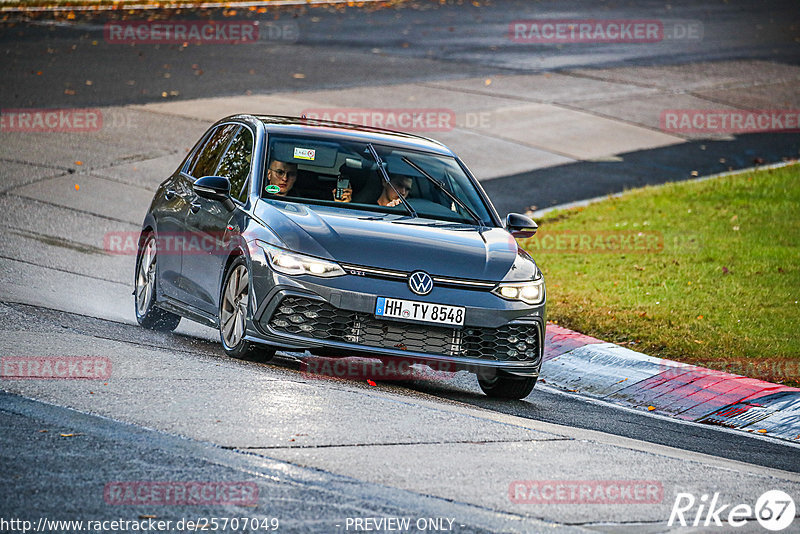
319, 320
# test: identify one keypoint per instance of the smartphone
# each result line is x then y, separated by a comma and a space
341, 185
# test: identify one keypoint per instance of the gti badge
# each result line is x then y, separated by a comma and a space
420, 282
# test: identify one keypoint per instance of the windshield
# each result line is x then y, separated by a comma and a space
345, 174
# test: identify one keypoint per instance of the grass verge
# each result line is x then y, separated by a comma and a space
704, 272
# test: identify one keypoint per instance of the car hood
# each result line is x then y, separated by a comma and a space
396, 242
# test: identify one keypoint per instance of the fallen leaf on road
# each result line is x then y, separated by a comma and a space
371, 382
79, 162
651, 408
298, 75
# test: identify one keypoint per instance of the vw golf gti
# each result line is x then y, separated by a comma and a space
298, 234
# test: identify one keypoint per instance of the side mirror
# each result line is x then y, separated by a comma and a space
520, 226
214, 188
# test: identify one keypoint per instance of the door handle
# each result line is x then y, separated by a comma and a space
169, 194
195, 207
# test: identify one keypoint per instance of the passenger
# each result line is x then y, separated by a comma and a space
388, 197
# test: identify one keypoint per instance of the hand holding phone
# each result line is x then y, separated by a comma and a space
343, 193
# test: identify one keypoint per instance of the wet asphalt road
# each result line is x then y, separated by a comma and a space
48, 62
418, 42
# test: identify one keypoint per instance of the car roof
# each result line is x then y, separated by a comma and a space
279, 124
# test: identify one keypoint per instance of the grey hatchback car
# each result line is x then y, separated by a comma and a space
298, 234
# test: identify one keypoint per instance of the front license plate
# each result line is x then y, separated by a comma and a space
420, 311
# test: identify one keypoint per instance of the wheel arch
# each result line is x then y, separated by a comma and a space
236, 252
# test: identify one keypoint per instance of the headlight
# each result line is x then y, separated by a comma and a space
292, 263
528, 292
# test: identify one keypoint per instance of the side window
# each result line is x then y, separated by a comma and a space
187, 168
235, 164
209, 154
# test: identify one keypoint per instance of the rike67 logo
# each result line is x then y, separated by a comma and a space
774, 510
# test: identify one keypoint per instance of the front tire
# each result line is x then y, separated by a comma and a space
500, 385
147, 313
233, 309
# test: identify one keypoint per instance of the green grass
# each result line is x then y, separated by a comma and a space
724, 290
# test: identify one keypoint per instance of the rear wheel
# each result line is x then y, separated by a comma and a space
147, 314
502, 385
233, 308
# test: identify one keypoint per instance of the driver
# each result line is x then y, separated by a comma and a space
283, 175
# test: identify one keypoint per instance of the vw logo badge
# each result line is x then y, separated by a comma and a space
420, 282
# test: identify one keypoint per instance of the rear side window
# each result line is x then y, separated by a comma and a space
208, 156
235, 164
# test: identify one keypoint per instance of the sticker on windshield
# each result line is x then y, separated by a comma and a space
304, 153
273, 189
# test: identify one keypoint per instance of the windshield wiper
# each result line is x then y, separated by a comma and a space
388, 180
444, 190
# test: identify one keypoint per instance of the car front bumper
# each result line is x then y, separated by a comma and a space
336, 316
